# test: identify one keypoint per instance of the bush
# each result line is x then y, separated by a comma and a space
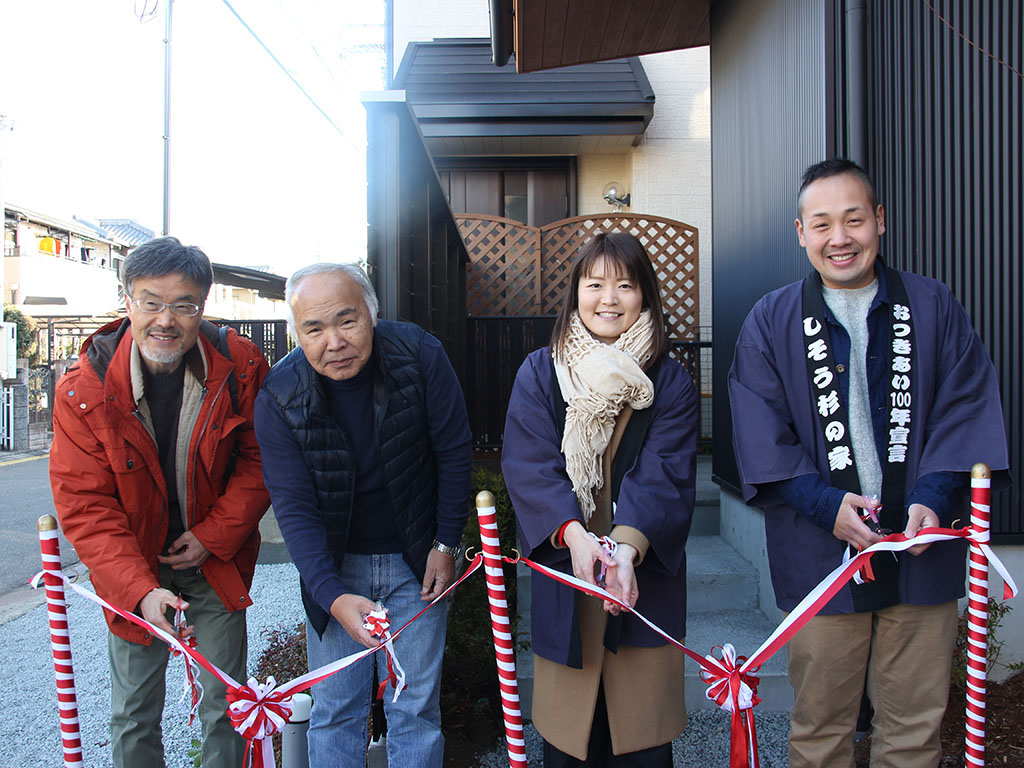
469, 680
996, 612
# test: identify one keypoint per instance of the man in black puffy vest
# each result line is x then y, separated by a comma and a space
366, 454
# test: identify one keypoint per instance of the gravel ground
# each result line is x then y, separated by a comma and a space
704, 743
31, 736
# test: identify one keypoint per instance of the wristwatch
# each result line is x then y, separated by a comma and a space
444, 549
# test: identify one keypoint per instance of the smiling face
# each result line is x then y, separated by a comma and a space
333, 324
164, 337
839, 230
608, 302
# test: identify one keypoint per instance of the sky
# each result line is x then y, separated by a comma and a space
259, 177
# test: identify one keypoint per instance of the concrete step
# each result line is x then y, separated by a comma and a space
705, 521
717, 578
745, 630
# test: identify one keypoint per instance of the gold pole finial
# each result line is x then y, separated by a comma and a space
485, 499
47, 523
980, 471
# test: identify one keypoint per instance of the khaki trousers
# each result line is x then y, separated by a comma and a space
905, 651
137, 674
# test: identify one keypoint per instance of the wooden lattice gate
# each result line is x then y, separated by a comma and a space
516, 279
520, 271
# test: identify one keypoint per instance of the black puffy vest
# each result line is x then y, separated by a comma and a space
400, 414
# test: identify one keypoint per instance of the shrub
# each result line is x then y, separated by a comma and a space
996, 612
469, 680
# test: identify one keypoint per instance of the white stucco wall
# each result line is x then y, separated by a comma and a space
417, 20
672, 164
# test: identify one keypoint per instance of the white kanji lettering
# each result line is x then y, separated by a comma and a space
817, 350
822, 377
839, 458
900, 330
811, 326
901, 364
828, 404
898, 436
900, 312
899, 416
901, 381
834, 431
897, 454
901, 346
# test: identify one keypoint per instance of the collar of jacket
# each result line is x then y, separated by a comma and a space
113, 348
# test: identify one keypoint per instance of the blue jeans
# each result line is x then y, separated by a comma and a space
341, 703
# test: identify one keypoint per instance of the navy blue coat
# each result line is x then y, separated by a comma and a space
656, 497
776, 435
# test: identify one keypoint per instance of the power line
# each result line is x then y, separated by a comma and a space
290, 76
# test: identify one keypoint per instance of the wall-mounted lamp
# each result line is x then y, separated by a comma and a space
613, 194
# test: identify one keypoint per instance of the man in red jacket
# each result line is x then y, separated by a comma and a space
157, 480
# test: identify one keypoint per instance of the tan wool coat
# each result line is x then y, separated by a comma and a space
643, 687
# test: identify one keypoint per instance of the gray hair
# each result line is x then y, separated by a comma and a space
165, 256
352, 271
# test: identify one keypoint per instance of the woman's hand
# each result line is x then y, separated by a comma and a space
621, 579
586, 551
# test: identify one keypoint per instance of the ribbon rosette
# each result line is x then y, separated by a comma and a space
378, 625
735, 691
257, 712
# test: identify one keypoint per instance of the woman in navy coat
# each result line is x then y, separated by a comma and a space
600, 440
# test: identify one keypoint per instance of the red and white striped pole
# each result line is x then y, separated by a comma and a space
60, 641
977, 618
501, 628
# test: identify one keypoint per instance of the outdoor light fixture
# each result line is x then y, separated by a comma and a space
613, 194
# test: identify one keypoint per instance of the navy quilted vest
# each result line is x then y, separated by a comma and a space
399, 403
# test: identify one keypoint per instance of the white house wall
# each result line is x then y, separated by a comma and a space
672, 164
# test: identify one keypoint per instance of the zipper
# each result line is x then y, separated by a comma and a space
163, 501
202, 433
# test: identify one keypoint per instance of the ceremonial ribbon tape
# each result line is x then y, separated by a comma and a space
192, 694
378, 625
731, 675
256, 711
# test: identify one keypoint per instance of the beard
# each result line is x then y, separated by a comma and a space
161, 356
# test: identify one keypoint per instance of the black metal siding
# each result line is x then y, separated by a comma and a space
945, 127
768, 74
415, 255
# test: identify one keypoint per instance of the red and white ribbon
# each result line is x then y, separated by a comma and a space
736, 693
377, 624
258, 708
192, 693
809, 607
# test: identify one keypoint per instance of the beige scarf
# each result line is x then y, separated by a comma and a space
596, 381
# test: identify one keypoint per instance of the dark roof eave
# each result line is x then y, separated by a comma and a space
435, 129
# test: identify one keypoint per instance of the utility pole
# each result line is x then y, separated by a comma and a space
168, 4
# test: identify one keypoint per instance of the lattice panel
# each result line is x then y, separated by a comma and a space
503, 276
672, 246
519, 270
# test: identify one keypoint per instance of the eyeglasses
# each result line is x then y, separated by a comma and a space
152, 307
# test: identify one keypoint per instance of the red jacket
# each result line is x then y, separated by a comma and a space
108, 485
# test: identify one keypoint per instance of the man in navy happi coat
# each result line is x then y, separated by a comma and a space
861, 397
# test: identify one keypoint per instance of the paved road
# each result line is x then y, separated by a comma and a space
25, 496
